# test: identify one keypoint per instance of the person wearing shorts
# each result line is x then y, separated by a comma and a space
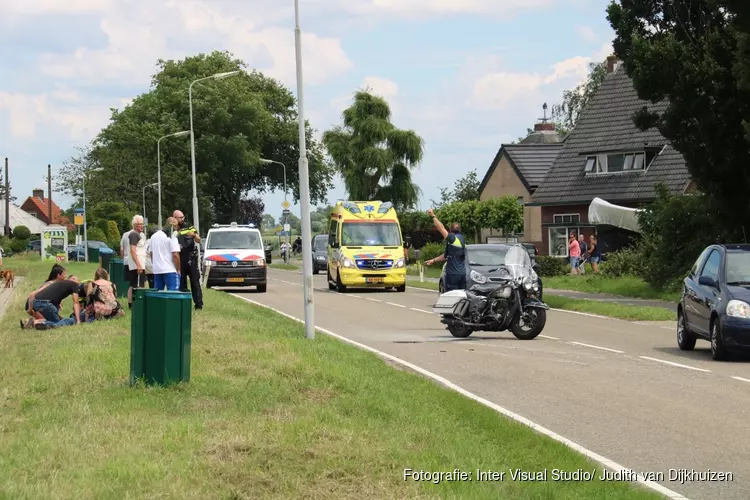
575, 253
137, 257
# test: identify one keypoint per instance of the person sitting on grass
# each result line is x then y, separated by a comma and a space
47, 301
102, 302
57, 273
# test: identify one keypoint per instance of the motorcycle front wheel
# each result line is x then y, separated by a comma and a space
528, 328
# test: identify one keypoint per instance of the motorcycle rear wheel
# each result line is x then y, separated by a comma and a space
460, 331
526, 332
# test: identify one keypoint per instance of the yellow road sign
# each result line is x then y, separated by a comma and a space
286, 205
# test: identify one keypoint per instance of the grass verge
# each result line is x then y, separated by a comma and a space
429, 272
627, 312
285, 267
624, 286
267, 414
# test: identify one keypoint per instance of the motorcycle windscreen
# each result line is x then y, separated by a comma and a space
518, 263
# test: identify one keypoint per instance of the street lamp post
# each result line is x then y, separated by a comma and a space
158, 166
144, 198
86, 215
217, 76
304, 187
269, 162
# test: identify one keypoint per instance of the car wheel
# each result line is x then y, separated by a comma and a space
339, 285
331, 286
685, 338
718, 351
401, 288
262, 288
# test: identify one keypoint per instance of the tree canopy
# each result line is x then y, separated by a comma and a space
237, 122
565, 114
693, 57
374, 157
464, 189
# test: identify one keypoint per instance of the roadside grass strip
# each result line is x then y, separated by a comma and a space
613, 310
267, 414
283, 266
624, 286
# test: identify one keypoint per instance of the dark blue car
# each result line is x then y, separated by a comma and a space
715, 301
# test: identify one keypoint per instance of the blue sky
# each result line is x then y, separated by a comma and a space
467, 75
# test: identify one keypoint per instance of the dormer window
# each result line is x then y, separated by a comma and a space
617, 162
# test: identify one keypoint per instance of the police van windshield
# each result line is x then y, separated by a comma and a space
233, 240
355, 234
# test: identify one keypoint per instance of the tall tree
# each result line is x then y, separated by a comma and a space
465, 189
373, 156
565, 114
237, 122
251, 210
686, 57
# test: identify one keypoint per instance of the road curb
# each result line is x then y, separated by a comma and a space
652, 485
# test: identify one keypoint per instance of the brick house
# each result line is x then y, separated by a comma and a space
608, 157
38, 206
517, 170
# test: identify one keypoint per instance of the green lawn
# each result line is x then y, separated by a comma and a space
625, 286
429, 272
282, 265
267, 414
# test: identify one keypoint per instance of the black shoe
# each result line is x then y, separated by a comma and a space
198, 308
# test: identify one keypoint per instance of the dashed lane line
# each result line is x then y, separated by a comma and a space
597, 347
679, 365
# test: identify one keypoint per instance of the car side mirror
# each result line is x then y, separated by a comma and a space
707, 281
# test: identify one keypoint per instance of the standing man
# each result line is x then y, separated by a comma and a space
137, 257
124, 253
165, 257
455, 255
189, 240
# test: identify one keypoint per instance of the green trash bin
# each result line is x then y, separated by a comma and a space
93, 254
160, 337
104, 259
116, 277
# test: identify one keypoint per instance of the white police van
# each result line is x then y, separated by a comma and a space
234, 255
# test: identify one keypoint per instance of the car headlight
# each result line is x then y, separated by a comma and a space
260, 262
209, 263
479, 278
320, 257
347, 262
399, 263
738, 309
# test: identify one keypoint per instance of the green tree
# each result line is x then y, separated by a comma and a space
565, 114
237, 121
373, 156
685, 59
465, 189
21, 232
501, 214
268, 221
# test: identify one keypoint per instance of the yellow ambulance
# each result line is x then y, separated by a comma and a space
365, 247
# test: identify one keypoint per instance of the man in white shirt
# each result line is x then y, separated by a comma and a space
165, 258
137, 257
125, 252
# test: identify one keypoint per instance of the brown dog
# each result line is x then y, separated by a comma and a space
10, 277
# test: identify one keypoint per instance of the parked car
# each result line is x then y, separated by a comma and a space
715, 301
320, 253
485, 259
75, 252
34, 246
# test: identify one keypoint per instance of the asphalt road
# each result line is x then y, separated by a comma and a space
623, 390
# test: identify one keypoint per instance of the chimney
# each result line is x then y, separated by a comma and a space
539, 127
38, 193
611, 63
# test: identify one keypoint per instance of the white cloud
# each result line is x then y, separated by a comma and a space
586, 34
35, 7
421, 8
140, 33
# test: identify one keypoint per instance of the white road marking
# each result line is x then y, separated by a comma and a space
675, 364
548, 337
372, 300
597, 347
518, 418
396, 305
420, 310
741, 379
355, 296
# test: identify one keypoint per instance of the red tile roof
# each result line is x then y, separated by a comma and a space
39, 206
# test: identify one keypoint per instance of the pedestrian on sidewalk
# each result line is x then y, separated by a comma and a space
584, 255
574, 251
595, 255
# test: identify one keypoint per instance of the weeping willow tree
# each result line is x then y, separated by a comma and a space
374, 157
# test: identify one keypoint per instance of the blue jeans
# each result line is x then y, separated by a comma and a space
51, 314
454, 282
169, 280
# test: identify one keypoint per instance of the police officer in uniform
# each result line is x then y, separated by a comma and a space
189, 240
455, 255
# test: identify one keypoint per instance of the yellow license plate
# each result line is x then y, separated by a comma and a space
235, 280
374, 280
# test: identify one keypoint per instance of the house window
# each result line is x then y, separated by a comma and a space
566, 219
558, 240
618, 162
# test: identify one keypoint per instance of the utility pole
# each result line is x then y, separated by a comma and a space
7, 200
49, 193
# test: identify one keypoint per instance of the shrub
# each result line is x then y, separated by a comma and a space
21, 232
96, 234
432, 250
624, 262
551, 266
18, 245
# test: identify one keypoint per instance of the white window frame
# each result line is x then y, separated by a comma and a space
598, 165
568, 230
562, 218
